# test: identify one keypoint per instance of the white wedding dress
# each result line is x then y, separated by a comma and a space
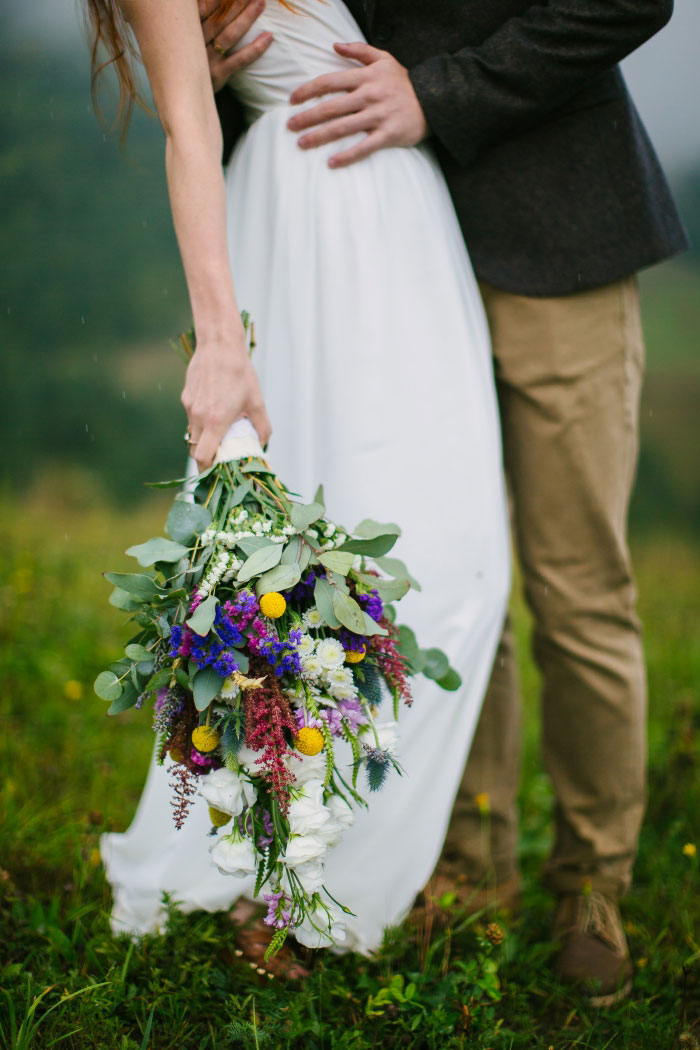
374, 358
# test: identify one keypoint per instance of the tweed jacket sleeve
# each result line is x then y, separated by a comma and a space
531, 66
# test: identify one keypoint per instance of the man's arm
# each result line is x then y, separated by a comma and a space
528, 68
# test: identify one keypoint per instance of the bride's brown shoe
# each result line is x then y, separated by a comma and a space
252, 940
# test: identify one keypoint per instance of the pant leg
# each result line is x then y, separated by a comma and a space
569, 375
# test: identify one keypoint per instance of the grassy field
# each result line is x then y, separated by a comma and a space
71, 773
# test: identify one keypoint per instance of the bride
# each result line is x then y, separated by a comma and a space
373, 365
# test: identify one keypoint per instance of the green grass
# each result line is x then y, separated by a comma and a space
70, 773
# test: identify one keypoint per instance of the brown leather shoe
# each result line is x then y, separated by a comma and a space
593, 956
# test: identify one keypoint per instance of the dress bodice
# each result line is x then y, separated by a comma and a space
302, 49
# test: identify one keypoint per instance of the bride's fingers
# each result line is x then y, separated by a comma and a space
259, 418
207, 447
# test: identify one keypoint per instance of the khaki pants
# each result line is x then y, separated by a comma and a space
569, 373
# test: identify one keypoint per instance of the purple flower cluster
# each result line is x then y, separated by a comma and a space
243, 609
351, 711
372, 604
303, 592
211, 649
282, 656
279, 912
268, 837
352, 642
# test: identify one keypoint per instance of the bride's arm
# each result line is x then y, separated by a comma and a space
221, 384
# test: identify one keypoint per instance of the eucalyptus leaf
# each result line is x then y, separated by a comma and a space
319, 497
408, 646
137, 652
138, 584
157, 549
323, 596
371, 548
127, 699
251, 544
205, 685
242, 660
395, 567
369, 529
391, 590
202, 618
159, 680
435, 663
339, 561
107, 686
255, 466
239, 494
281, 578
292, 550
371, 626
145, 667
121, 599
348, 612
451, 681
259, 562
181, 677
187, 520
305, 514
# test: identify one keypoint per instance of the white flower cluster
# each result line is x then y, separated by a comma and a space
221, 569
323, 664
315, 827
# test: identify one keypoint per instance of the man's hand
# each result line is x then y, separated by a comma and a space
221, 34
379, 99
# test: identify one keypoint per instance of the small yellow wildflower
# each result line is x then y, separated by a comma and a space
218, 817
309, 740
205, 738
73, 690
483, 802
272, 605
355, 656
690, 849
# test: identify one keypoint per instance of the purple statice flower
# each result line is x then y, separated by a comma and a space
244, 608
225, 665
175, 641
351, 711
282, 656
352, 642
372, 604
303, 592
268, 837
196, 601
205, 761
227, 629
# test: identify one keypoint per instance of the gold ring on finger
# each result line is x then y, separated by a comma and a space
219, 49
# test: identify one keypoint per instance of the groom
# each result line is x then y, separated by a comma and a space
561, 200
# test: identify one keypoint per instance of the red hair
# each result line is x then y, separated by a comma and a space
109, 31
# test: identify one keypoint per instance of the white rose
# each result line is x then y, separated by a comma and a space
310, 875
308, 813
233, 856
225, 790
302, 848
308, 767
318, 929
341, 818
331, 653
248, 758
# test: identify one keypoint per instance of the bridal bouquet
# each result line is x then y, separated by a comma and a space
266, 639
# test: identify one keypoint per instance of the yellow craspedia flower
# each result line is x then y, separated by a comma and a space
272, 604
355, 656
72, 689
309, 741
218, 817
176, 754
205, 738
690, 849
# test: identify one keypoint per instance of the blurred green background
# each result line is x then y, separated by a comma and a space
91, 290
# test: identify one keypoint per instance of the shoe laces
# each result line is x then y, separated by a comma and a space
598, 916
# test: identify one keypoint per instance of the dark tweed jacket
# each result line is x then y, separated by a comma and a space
553, 177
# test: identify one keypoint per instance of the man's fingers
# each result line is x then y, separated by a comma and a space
339, 129
324, 85
329, 110
364, 53
374, 141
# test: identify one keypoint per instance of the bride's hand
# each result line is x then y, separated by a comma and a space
221, 386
